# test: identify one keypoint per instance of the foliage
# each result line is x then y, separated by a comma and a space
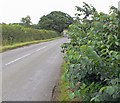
86, 11
26, 21
93, 56
12, 34
63, 95
56, 20
21, 44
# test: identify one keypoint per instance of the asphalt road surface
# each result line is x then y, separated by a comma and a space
31, 72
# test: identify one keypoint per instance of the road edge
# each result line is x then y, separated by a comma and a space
18, 45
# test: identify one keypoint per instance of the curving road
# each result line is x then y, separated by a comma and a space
31, 72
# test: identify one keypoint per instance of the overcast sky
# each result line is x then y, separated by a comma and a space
11, 11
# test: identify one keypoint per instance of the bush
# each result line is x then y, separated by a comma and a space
93, 58
15, 34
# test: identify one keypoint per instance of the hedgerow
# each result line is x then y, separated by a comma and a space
12, 34
93, 56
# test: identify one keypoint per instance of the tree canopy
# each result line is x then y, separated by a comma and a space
56, 20
26, 21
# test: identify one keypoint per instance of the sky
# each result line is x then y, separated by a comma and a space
11, 11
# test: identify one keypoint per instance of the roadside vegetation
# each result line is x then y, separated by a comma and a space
16, 36
17, 45
12, 34
25, 33
62, 91
92, 57
56, 20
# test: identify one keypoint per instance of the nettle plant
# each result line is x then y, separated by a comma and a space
93, 55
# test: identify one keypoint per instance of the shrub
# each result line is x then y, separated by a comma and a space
15, 34
93, 58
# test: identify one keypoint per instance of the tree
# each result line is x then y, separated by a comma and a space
86, 11
56, 20
26, 21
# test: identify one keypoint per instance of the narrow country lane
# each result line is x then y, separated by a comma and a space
31, 72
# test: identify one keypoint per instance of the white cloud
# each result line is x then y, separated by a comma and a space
14, 10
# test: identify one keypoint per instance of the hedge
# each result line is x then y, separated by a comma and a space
12, 34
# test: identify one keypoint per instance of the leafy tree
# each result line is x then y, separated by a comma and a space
56, 20
35, 26
86, 11
26, 21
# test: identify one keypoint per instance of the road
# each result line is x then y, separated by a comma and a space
31, 72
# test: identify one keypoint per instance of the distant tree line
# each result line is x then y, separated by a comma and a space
56, 20
49, 26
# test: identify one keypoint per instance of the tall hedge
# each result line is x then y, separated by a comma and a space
16, 33
93, 58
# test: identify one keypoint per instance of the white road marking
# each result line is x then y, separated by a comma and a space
25, 56
40, 49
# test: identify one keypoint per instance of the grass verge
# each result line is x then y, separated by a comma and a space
63, 94
9, 47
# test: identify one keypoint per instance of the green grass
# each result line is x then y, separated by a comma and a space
63, 94
9, 47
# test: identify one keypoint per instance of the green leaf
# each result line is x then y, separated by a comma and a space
103, 88
117, 43
72, 85
110, 90
89, 52
114, 81
71, 95
77, 93
96, 98
83, 86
